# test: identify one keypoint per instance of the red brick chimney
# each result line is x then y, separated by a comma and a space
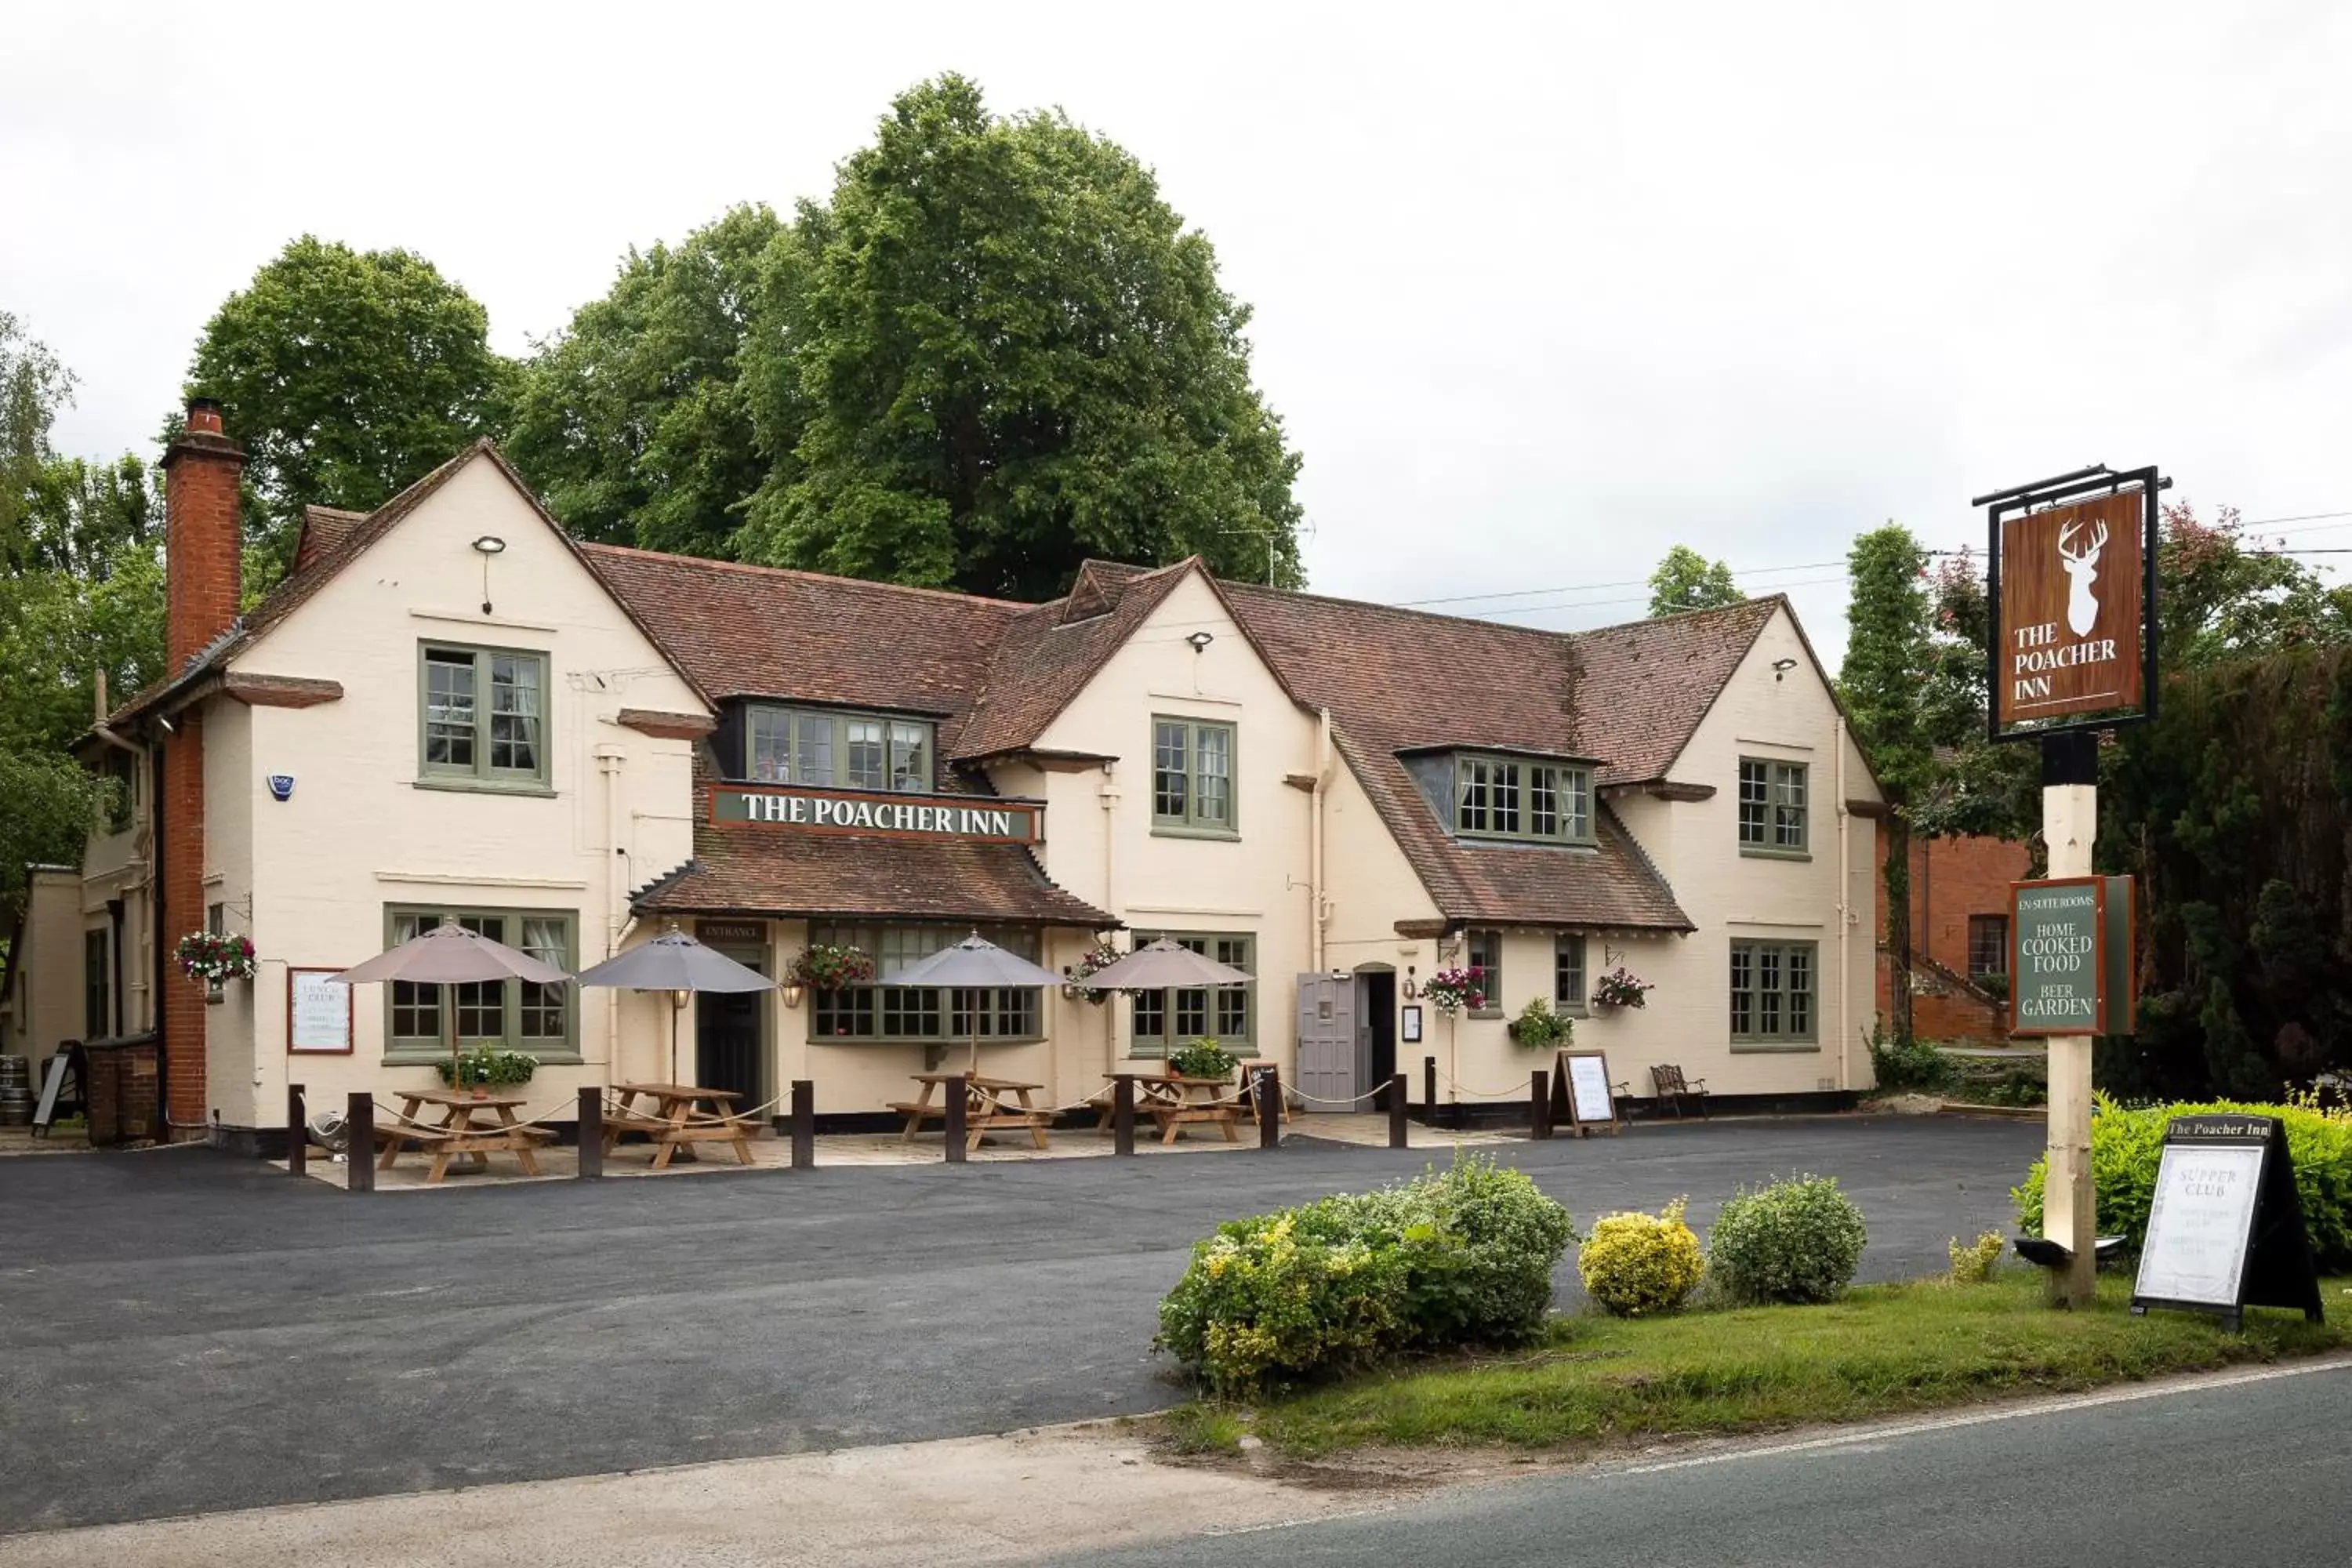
202, 544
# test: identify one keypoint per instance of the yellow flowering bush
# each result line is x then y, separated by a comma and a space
1637, 1264
1261, 1306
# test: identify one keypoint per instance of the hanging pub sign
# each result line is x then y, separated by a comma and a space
2073, 585
2225, 1228
2070, 956
985, 819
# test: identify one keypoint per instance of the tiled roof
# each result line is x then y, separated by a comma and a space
748, 870
325, 531
1045, 655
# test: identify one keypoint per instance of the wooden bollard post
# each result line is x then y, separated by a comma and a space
1428, 1087
959, 1093
1396, 1111
590, 1124
298, 1130
358, 1142
1539, 1105
1269, 1107
803, 1119
1122, 1114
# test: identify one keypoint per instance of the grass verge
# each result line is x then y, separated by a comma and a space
1882, 1349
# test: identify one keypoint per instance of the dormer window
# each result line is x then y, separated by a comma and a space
838, 751
1511, 797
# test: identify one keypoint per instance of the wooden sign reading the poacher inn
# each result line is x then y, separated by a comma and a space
2072, 581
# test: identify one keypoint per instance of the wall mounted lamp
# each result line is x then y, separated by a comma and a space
1200, 640
1411, 989
678, 999
791, 990
489, 544
1782, 667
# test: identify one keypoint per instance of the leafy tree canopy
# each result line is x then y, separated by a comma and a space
996, 352
346, 375
631, 422
1685, 580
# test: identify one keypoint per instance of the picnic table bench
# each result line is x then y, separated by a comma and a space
462, 1133
983, 1109
669, 1119
1173, 1103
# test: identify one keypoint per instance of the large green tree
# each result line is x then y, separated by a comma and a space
346, 375
1685, 580
1887, 653
997, 350
632, 422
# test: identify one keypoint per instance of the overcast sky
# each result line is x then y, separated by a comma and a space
1538, 292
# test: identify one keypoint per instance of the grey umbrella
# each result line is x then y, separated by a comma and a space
449, 955
1162, 965
673, 961
973, 964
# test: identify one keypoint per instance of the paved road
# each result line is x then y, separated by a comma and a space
2214, 1474
183, 1332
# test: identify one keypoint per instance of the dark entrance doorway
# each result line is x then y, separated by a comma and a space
730, 1035
1376, 1031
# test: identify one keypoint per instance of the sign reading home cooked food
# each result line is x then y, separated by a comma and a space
983, 820
2073, 585
2069, 957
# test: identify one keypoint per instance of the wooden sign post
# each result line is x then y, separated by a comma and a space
2225, 1228
1580, 1095
2071, 582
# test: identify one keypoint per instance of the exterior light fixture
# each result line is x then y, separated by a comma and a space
1782, 667
1410, 990
489, 544
678, 999
1200, 640
791, 990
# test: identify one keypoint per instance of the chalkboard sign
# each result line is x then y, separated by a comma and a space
2225, 1229
1580, 1094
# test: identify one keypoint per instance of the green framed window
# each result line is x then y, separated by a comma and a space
97, 955
482, 716
1772, 808
1486, 956
1772, 993
1166, 1021
1568, 974
829, 750
1509, 797
1192, 777
513, 1014
886, 1014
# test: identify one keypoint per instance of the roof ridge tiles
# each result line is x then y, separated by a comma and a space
801, 574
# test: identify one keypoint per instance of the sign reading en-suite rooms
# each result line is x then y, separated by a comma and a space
985, 821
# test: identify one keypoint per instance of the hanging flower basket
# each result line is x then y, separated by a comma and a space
1452, 990
1621, 987
824, 967
212, 956
1097, 958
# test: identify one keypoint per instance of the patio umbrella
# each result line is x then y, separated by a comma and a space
1163, 965
449, 955
973, 964
673, 961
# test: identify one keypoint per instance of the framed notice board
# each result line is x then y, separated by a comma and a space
1581, 1094
318, 1013
2225, 1228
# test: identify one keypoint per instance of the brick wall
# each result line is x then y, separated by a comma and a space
1951, 879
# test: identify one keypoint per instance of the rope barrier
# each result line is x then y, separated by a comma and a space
1351, 1099
1515, 1091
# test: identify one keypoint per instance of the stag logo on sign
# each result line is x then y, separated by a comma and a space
2081, 561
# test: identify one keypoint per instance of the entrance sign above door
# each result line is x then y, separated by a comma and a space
2072, 588
984, 820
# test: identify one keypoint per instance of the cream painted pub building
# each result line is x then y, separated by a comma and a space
450, 710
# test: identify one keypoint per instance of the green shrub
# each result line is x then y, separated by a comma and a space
1453, 1256
489, 1065
1907, 1065
1974, 1264
1637, 1264
2127, 1143
1539, 1028
1205, 1058
1798, 1240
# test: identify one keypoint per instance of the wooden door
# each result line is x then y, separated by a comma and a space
1326, 1041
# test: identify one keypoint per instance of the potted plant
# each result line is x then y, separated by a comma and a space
824, 967
1204, 1058
1096, 959
485, 1068
1621, 987
1539, 1028
1452, 990
213, 956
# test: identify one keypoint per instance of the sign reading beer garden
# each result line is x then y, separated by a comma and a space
2069, 957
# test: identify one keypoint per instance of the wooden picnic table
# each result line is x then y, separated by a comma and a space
1174, 1101
472, 1126
983, 1106
669, 1119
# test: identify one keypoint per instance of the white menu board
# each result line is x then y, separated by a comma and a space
2200, 1224
1588, 1088
318, 1011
